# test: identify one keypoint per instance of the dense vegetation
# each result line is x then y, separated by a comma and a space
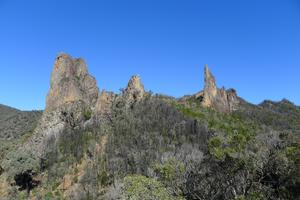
15, 123
162, 148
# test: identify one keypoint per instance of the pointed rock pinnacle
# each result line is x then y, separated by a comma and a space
220, 99
70, 82
135, 90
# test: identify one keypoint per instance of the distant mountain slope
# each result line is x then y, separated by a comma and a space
14, 123
6, 112
282, 115
284, 107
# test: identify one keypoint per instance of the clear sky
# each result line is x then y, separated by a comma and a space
250, 45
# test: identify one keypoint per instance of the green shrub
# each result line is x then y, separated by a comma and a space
22, 195
49, 196
293, 154
18, 162
75, 179
215, 148
139, 187
103, 177
87, 115
55, 185
170, 170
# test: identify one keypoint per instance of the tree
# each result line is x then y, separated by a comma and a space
138, 187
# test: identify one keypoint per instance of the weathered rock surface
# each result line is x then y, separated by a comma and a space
135, 90
71, 82
104, 102
54, 123
220, 99
72, 97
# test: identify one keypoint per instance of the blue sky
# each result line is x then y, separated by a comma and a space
250, 45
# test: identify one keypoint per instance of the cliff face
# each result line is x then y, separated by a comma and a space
71, 100
219, 99
71, 82
114, 146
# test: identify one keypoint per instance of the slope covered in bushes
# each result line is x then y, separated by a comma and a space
169, 149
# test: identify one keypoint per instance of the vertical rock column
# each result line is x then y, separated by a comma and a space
71, 82
219, 99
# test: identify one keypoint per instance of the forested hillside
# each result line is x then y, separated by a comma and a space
137, 145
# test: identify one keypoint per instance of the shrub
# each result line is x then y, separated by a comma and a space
215, 148
170, 170
19, 162
138, 187
49, 196
293, 154
87, 114
103, 177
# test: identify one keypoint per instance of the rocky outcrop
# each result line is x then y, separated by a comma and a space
210, 89
219, 99
105, 102
135, 90
71, 82
72, 98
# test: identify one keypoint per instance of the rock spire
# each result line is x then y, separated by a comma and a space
70, 82
220, 99
135, 90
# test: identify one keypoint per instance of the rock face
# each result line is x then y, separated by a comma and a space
210, 89
220, 99
135, 90
70, 82
73, 93
104, 102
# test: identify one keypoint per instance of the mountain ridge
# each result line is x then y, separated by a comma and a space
89, 144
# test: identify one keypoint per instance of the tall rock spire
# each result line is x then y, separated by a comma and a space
210, 81
210, 88
73, 93
70, 82
220, 99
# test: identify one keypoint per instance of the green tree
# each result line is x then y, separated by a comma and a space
139, 187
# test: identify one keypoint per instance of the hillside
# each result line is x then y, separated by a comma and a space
137, 145
15, 123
